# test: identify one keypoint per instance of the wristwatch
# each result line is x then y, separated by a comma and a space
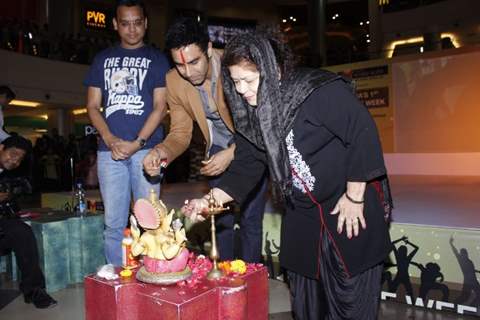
141, 142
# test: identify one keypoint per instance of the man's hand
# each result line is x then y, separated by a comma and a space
113, 143
218, 163
152, 161
126, 149
349, 214
4, 196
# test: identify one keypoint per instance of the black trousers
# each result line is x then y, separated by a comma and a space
18, 237
335, 295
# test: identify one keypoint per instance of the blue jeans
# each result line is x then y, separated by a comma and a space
251, 224
118, 181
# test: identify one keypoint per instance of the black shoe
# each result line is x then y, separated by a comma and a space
40, 299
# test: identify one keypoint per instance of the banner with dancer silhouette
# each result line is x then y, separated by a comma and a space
435, 268
429, 267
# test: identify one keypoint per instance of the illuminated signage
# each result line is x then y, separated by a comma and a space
96, 19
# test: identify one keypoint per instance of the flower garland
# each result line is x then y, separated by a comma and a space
201, 265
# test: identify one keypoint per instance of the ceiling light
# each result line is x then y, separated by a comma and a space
23, 103
79, 111
452, 37
44, 116
392, 45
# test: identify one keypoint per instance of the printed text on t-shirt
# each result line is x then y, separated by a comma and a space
124, 78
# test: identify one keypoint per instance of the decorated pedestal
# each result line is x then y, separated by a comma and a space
234, 297
172, 283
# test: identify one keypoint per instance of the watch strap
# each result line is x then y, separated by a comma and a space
141, 141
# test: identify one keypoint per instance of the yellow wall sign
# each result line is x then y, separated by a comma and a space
96, 19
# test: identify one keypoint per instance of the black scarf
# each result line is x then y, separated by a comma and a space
278, 103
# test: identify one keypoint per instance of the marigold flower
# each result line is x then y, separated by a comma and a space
225, 266
238, 266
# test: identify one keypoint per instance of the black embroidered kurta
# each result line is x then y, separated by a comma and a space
333, 140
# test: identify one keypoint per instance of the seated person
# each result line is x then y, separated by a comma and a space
16, 235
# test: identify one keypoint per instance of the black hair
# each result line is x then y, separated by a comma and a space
19, 142
5, 90
185, 31
237, 51
131, 3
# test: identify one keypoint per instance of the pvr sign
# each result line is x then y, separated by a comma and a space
96, 19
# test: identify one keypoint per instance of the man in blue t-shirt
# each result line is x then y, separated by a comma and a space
128, 81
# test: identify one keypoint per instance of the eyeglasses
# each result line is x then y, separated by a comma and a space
135, 23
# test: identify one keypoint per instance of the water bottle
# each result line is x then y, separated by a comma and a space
80, 202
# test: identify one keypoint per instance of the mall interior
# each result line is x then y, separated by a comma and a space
415, 65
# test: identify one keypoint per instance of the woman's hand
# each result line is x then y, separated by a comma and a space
194, 209
350, 214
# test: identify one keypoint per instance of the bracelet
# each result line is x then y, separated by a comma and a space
352, 200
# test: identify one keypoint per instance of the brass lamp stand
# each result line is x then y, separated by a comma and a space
214, 208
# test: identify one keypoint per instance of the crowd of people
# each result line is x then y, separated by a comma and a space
56, 161
27, 37
49, 166
52, 159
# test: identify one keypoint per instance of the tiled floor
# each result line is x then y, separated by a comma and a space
70, 307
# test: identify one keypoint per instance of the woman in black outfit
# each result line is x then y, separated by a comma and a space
321, 148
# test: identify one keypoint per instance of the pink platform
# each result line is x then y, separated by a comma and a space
245, 297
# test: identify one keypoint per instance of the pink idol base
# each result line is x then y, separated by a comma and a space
166, 266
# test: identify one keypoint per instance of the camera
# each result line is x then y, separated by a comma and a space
14, 187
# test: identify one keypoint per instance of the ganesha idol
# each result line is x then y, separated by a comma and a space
162, 244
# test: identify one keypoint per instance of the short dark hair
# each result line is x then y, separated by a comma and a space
5, 90
18, 142
131, 3
185, 31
